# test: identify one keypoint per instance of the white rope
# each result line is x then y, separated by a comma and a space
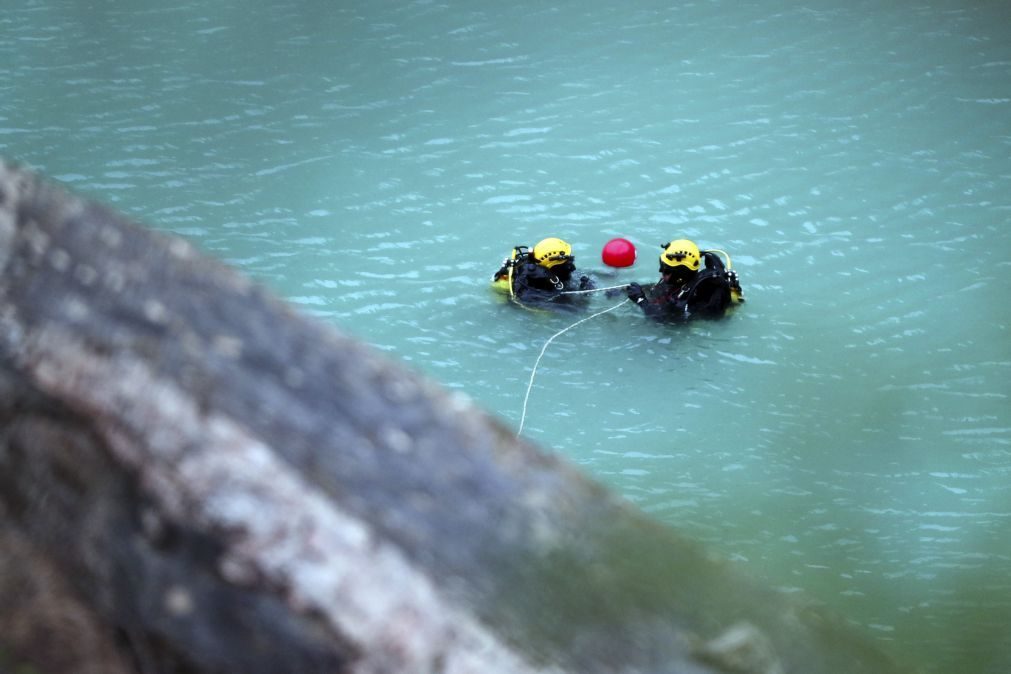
592, 290
545, 348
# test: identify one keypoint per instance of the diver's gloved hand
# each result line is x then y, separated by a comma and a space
585, 283
635, 293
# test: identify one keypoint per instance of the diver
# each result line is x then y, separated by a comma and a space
685, 291
545, 274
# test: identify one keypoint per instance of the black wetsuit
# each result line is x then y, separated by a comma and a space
707, 294
536, 284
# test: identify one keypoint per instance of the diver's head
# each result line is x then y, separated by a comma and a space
552, 252
679, 261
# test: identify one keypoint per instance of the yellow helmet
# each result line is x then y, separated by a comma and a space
680, 253
551, 252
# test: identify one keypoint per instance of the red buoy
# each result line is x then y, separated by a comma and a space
618, 253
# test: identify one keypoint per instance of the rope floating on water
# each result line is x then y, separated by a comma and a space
533, 373
593, 290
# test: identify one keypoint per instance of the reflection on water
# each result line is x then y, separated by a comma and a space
845, 435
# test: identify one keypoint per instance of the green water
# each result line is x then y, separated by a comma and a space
846, 435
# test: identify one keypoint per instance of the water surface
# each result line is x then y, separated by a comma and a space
846, 435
